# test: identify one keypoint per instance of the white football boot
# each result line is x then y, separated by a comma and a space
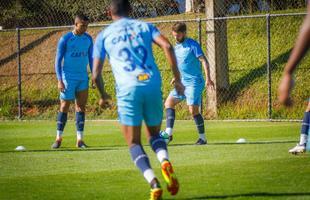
298, 149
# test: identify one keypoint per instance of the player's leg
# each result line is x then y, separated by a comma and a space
304, 134
65, 99
193, 98
132, 136
170, 103
80, 105
130, 106
152, 114
199, 121
159, 146
61, 122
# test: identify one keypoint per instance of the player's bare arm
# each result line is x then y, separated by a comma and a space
169, 53
206, 68
105, 98
61, 85
301, 46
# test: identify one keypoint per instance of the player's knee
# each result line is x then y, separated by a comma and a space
169, 104
64, 107
193, 111
80, 108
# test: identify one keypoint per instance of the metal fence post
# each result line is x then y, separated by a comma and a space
20, 113
199, 40
269, 67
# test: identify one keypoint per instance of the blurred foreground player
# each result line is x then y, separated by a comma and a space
128, 45
301, 46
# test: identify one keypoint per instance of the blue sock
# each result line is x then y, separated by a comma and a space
139, 157
80, 120
61, 121
159, 146
200, 126
305, 123
141, 160
170, 117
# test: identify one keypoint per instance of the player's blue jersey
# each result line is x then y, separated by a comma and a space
74, 53
128, 46
187, 54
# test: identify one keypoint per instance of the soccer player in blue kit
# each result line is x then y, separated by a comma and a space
74, 53
299, 51
189, 55
128, 45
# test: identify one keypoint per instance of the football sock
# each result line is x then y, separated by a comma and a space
141, 160
61, 123
200, 126
305, 128
159, 146
170, 118
80, 120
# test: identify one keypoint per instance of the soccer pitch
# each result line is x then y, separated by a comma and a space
260, 169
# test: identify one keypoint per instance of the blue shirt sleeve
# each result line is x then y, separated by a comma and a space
154, 31
90, 55
60, 52
99, 51
196, 48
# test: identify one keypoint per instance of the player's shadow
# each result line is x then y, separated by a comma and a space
59, 150
236, 87
255, 194
27, 48
234, 143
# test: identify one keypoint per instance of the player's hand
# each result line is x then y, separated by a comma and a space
210, 84
179, 87
93, 85
61, 86
284, 90
172, 81
105, 101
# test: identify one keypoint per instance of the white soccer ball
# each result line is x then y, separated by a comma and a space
164, 136
241, 141
20, 148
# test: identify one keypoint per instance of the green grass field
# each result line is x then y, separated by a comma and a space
260, 169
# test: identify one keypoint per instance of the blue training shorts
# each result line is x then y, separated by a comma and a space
140, 103
72, 87
192, 94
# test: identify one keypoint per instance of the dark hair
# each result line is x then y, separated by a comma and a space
179, 27
81, 16
120, 7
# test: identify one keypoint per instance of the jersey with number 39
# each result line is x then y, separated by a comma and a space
128, 45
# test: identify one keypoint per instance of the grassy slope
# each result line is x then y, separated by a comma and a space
220, 170
247, 58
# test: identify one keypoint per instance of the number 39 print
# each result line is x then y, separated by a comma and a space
134, 59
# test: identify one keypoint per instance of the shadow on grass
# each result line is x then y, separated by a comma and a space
255, 194
118, 147
28, 47
249, 78
234, 143
60, 150
41, 103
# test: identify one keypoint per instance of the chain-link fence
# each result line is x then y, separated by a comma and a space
33, 13
252, 55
